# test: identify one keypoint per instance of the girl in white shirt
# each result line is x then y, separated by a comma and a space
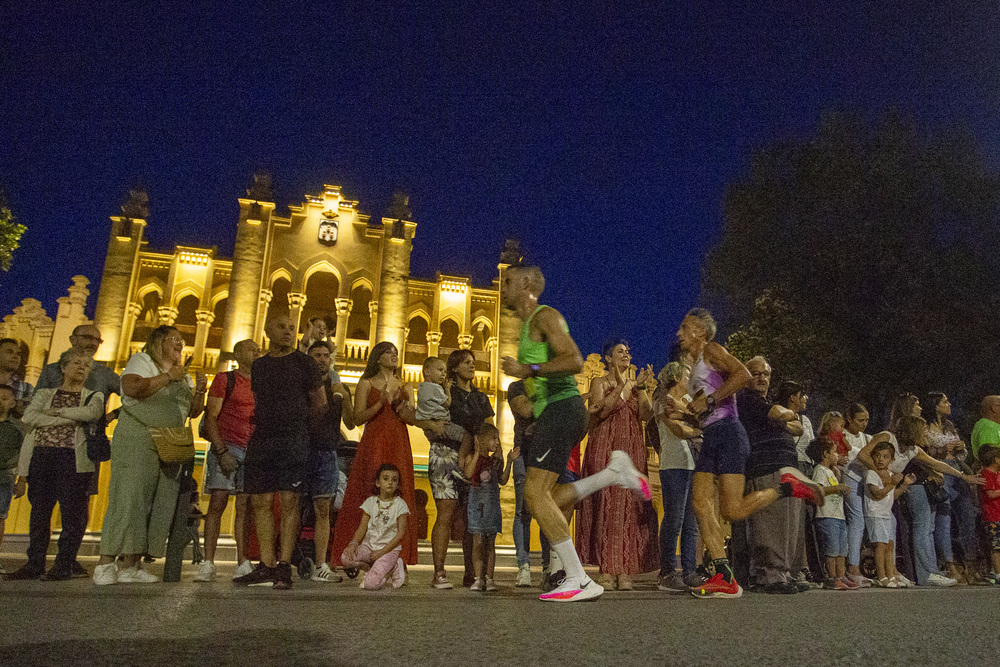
376, 543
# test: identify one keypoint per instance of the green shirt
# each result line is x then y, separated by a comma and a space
10, 443
542, 390
985, 432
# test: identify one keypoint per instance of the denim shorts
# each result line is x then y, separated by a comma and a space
880, 529
6, 492
725, 448
216, 480
832, 535
484, 510
324, 475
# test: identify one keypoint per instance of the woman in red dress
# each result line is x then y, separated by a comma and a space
615, 529
384, 405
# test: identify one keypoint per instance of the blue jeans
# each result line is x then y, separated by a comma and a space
922, 521
964, 515
678, 518
522, 518
855, 514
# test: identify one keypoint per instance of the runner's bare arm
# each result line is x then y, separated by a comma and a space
737, 375
568, 360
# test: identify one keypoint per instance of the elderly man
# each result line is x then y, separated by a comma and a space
773, 532
10, 364
716, 377
987, 430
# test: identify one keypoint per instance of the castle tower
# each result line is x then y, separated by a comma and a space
69, 316
120, 266
393, 293
508, 333
248, 262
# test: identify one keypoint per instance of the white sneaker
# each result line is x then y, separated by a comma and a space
206, 571
326, 575
903, 581
245, 568
860, 581
628, 476
136, 575
105, 575
574, 590
935, 579
524, 576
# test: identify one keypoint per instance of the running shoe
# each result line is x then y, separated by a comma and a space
936, 579
903, 582
78, 570
850, 584
523, 576
136, 575
261, 575
245, 568
491, 586
802, 486
206, 571
573, 590
556, 579
671, 583
478, 585
862, 582
105, 575
440, 581
326, 574
717, 587
627, 475
58, 573
283, 576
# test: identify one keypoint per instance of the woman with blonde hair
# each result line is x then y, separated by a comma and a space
142, 495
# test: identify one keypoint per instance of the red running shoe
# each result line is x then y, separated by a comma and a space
802, 486
717, 587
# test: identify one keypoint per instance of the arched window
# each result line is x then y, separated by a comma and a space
279, 298
359, 324
187, 320
416, 341
322, 289
449, 336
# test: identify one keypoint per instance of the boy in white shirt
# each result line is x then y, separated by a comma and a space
831, 528
881, 489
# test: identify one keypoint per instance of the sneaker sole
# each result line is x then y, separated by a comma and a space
591, 592
718, 594
818, 498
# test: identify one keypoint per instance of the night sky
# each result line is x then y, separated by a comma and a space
602, 138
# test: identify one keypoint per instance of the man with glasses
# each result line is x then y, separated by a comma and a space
85, 339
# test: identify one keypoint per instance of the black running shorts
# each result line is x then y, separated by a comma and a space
559, 429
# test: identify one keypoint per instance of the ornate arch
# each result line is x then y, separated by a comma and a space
280, 273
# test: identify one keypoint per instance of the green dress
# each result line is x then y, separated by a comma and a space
142, 492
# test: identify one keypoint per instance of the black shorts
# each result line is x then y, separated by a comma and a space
276, 463
559, 429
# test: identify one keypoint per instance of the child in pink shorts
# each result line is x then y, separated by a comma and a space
376, 543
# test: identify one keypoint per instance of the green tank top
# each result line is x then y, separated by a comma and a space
542, 390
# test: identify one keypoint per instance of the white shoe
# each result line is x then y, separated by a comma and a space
935, 579
903, 582
206, 571
524, 576
245, 568
574, 590
326, 575
627, 475
106, 574
861, 581
136, 575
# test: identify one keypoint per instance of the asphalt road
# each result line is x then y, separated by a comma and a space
74, 623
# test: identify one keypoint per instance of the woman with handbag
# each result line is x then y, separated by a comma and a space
147, 450
55, 465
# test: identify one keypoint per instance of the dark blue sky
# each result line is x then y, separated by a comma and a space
603, 138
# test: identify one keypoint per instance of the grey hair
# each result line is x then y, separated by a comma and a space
65, 357
761, 358
671, 373
706, 320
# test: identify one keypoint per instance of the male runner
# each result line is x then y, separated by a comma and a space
716, 376
548, 358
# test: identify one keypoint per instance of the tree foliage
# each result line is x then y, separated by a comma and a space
10, 234
865, 259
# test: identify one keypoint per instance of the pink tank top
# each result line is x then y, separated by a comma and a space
707, 379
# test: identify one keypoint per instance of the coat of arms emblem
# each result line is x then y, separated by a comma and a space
328, 228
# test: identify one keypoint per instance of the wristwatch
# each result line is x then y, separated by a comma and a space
710, 402
536, 370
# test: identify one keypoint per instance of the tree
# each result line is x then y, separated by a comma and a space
881, 241
10, 233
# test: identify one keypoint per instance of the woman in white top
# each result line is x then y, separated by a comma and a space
856, 418
921, 514
676, 469
142, 494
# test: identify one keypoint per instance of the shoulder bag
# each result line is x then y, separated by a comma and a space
174, 444
96, 432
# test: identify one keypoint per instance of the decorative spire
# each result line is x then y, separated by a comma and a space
260, 189
137, 205
400, 207
511, 253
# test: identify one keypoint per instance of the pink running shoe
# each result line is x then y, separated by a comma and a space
802, 486
574, 590
628, 476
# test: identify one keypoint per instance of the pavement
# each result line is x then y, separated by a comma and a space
188, 623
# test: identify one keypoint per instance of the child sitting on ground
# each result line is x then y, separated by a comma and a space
989, 497
434, 399
486, 472
881, 489
831, 528
376, 544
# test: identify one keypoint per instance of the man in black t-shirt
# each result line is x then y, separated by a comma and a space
288, 397
772, 532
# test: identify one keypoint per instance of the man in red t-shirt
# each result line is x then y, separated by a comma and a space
228, 426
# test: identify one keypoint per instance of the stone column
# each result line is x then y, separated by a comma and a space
205, 319
131, 317
264, 304
373, 319
465, 341
433, 340
168, 315
394, 288
296, 302
120, 265
343, 315
70, 315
